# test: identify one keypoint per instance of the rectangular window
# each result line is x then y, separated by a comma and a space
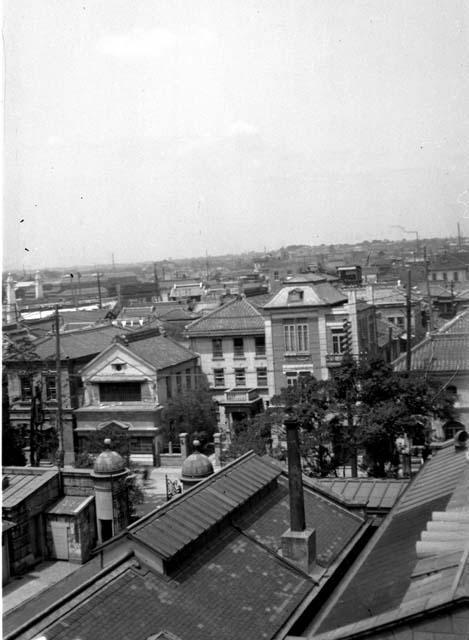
188, 379
338, 341
434, 277
292, 378
262, 377
260, 345
218, 377
51, 388
217, 348
445, 276
238, 347
240, 377
455, 276
296, 338
179, 382
169, 387
25, 382
400, 321
120, 392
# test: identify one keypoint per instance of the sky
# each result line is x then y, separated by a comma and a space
151, 129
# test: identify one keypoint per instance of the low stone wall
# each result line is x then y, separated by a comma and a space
77, 482
170, 459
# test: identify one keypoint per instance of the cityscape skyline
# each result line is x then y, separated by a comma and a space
157, 131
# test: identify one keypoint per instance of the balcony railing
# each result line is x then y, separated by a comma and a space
241, 396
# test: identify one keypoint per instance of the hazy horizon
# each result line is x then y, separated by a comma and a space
170, 129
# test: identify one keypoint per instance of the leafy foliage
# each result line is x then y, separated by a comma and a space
191, 412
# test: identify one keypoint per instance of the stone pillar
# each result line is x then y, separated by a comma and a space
184, 442
38, 285
11, 300
217, 446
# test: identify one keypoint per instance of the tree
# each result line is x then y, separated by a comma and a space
193, 412
382, 404
308, 402
253, 434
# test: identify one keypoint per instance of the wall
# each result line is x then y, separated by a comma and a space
313, 361
21, 543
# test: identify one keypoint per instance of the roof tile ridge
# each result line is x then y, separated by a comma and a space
210, 313
182, 497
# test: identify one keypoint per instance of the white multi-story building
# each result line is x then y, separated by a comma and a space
231, 344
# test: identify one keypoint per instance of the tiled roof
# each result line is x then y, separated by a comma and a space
446, 350
382, 580
232, 584
161, 351
78, 344
333, 524
168, 531
236, 317
233, 589
23, 483
178, 313
317, 295
375, 493
135, 312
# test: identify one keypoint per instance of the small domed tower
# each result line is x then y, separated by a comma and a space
195, 468
110, 487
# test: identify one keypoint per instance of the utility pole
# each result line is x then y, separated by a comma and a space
408, 360
459, 237
157, 284
429, 294
99, 290
58, 384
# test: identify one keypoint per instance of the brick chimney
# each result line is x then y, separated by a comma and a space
298, 542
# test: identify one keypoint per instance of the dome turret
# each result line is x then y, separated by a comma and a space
195, 467
109, 462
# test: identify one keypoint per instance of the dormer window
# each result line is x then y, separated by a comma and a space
295, 295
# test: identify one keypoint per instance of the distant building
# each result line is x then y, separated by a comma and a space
309, 327
444, 357
232, 347
125, 389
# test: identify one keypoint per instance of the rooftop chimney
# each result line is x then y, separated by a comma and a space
298, 542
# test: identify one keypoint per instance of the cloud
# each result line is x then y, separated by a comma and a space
151, 43
241, 128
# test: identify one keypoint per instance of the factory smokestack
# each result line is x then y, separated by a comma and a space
295, 482
298, 542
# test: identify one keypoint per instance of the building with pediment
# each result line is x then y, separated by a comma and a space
125, 389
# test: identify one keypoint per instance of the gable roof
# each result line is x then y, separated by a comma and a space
383, 580
78, 344
446, 350
234, 318
317, 295
232, 582
161, 351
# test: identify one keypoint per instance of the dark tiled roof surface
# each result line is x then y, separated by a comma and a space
237, 316
22, 485
78, 344
232, 589
161, 351
334, 525
439, 353
445, 350
171, 529
376, 494
381, 581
